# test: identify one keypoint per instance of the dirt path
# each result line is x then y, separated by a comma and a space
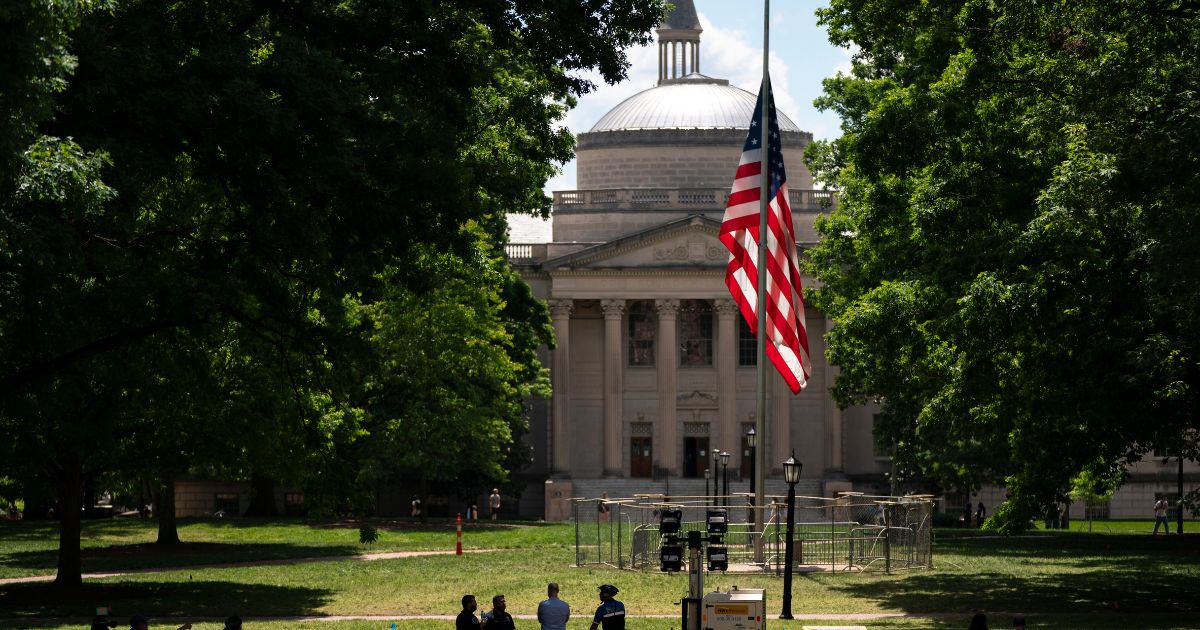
385, 555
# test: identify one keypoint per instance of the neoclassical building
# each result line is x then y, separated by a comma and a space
653, 369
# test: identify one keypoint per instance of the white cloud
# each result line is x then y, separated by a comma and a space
728, 54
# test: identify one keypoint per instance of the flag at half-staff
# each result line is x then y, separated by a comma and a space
786, 336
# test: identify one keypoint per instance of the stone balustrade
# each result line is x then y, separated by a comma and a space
708, 199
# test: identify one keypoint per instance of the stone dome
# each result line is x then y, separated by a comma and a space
691, 102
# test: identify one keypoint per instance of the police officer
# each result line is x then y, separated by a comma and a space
611, 613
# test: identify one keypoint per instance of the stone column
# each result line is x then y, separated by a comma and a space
560, 446
613, 399
727, 359
780, 420
837, 452
674, 60
665, 434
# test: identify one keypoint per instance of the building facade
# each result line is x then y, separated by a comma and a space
654, 369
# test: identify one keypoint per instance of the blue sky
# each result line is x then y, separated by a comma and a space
730, 48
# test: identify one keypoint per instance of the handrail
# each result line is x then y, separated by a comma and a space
683, 198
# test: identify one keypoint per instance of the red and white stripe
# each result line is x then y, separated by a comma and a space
787, 336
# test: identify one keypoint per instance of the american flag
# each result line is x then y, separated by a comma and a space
787, 337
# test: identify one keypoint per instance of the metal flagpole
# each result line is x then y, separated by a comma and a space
760, 418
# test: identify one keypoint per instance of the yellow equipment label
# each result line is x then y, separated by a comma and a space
728, 609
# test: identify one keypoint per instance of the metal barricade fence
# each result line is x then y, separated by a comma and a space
853, 532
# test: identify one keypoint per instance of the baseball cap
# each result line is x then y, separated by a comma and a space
609, 588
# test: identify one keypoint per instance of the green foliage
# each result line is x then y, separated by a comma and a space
367, 535
1008, 262
196, 198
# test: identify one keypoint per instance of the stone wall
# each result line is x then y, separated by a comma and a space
674, 166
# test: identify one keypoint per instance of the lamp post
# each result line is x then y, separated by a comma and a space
707, 476
752, 443
791, 474
716, 474
725, 474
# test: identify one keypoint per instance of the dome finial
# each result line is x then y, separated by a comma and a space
679, 42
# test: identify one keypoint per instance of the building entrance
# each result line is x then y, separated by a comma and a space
695, 456
641, 456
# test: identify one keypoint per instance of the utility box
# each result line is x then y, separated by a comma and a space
739, 609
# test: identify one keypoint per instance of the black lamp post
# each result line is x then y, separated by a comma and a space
791, 474
1179, 505
716, 474
752, 443
725, 474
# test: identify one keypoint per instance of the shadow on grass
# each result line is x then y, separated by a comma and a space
1108, 573
188, 598
151, 556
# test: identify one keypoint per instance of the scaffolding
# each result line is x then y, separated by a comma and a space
853, 532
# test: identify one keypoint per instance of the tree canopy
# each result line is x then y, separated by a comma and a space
1009, 263
197, 197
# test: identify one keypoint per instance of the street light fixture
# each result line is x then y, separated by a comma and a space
725, 474
791, 474
752, 442
716, 473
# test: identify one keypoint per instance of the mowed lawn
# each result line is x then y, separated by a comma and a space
1117, 578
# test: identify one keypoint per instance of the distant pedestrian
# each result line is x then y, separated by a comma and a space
233, 623
1160, 516
473, 512
978, 622
498, 618
416, 506
553, 612
494, 503
965, 521
603, 507
611, 613
980, 515
466, 619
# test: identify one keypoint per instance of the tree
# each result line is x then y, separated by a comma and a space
1005, 264
205, 169
445, 398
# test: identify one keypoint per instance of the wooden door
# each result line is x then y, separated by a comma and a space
641, 457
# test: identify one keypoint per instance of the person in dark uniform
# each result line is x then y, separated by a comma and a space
498, 619
466, 619
611, 613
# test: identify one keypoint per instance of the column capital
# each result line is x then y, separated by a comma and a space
666, 308
560, 309
725, 308
613, 309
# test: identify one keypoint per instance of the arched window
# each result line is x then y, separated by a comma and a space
643, 327
695, 333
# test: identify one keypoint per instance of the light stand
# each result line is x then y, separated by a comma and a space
791, 474
725, 474
752, 442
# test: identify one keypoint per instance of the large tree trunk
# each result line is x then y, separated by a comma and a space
262, 496
70, 494
164, 508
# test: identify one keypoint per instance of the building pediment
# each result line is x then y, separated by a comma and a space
689, 242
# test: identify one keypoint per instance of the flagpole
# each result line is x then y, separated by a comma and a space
760, 417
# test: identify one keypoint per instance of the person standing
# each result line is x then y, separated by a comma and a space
1160, 516
603, 507
494, 503
980, 515
498, 618
466, 619
553, 613
416, 506
611, 613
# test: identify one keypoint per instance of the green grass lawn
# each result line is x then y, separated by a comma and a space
1059, 579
